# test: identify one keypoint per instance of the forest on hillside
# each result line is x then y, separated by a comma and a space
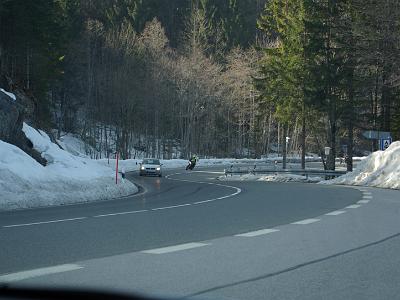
223, 78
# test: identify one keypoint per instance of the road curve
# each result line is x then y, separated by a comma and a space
184, 207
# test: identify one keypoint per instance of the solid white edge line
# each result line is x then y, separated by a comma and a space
353, 206
44, 222
120, 213
169, 207
38, 272
175, 248
305, 222
238, 190
257, 232
363, 201
335, 213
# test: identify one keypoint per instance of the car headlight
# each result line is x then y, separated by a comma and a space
158, 168
141, 168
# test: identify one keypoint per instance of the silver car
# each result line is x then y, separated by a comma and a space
150, 166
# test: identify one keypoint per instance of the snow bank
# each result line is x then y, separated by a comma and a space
74, 145
271, 178
380, 169
11, 95
66, 179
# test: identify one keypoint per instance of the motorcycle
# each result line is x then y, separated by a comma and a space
190, 166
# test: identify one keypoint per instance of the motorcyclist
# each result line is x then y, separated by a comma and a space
192, 162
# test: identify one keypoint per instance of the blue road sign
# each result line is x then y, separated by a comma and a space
385, 143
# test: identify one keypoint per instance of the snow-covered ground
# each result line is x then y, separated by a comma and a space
271, 178
71, 176
74, 145
380, 169
66, 179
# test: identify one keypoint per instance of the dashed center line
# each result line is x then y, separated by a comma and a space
363, 201
353, 206
44, 222
38, 272
306, 222
257, 232
175, 248
121, 213
335, 213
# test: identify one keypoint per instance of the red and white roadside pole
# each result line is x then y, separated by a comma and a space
116, 168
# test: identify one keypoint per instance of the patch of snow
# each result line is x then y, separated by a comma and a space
271, 178
66, 179
11, 95
379, 169
74, 145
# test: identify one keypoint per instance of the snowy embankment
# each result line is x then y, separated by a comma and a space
380, 169
66, 179
271, 178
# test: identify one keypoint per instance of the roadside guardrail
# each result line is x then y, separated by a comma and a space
328, 174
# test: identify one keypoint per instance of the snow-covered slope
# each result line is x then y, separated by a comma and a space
380, 169
74, 145
66, 179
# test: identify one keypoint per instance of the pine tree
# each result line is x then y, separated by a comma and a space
283, 62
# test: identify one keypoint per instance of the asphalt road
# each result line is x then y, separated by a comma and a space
230, 222
257, 206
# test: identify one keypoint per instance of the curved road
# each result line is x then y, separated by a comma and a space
185, 209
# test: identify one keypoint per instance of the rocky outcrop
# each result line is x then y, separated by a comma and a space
12, 115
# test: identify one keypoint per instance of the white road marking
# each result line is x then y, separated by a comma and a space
363, 201
38, 272
257, 232
353, 206
121, 213
367, 197
367, 194
306, 222
174, 248
335, 213
238, 190
169, 207
204, 201
44, 222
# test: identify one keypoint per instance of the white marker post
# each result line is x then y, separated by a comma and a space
116, 169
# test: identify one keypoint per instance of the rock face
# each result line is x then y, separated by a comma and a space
12, 116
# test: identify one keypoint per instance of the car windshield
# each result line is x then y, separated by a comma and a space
151, 162
210, 149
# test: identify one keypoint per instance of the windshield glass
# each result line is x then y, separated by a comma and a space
151, 162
